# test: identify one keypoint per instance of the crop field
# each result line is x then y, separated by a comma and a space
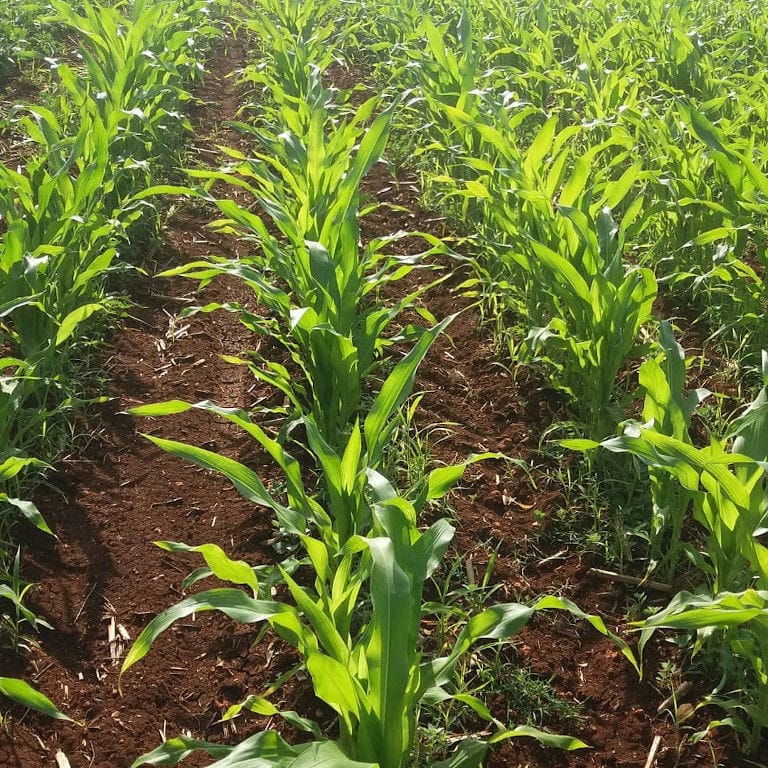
383, 383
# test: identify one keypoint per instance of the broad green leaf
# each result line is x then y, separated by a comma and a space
73, 319
29, 510
236, 571
394, 393
327, 754
24, 694
234, 603
244, 479
333, 683
442, 479
548, 739
469, 754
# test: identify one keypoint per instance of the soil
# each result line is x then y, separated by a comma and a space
117, 495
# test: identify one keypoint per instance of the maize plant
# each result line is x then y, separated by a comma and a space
136, 70
728, 502
302, 40
734, 626
670, 410
727, 495
374, 676
318, 281
59, 241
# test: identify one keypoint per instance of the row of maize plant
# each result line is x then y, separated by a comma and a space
692, 191
600, 155
68, 222
353, 601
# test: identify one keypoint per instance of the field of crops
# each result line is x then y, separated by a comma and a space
383, 383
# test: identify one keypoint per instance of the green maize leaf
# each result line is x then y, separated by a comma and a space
175, 190
333, 683
382, 488
431, 545
350, 461
173, 751
495, 623
234, 603
13, 465
326, 754
16, 599
575, 185
236, 571
750, 429
9, 306
565, 273
394, 392
541, 145
703, 129
441, 480
23, 693
323, 271
696, 611
580, 444
689, 464
73, 319
476, 189
262, 750
261, 706
341, 476
321, 623
561, 604
167, 408
285, 461
620, 188
198, 574
391, 645
318, 556
548, 739
29, 510
469, 754
438, 695
711, 236
245, 480
700, 618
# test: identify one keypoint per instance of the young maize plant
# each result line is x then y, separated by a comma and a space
728, 490
302, 40
19, 38
60, 240
317, 280
598, 309
66, 214
137, 66
734, 627
586, 304
728, 494
670, 410
734, 284
368, 668
547, 216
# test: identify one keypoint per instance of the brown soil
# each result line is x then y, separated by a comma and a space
120, 494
